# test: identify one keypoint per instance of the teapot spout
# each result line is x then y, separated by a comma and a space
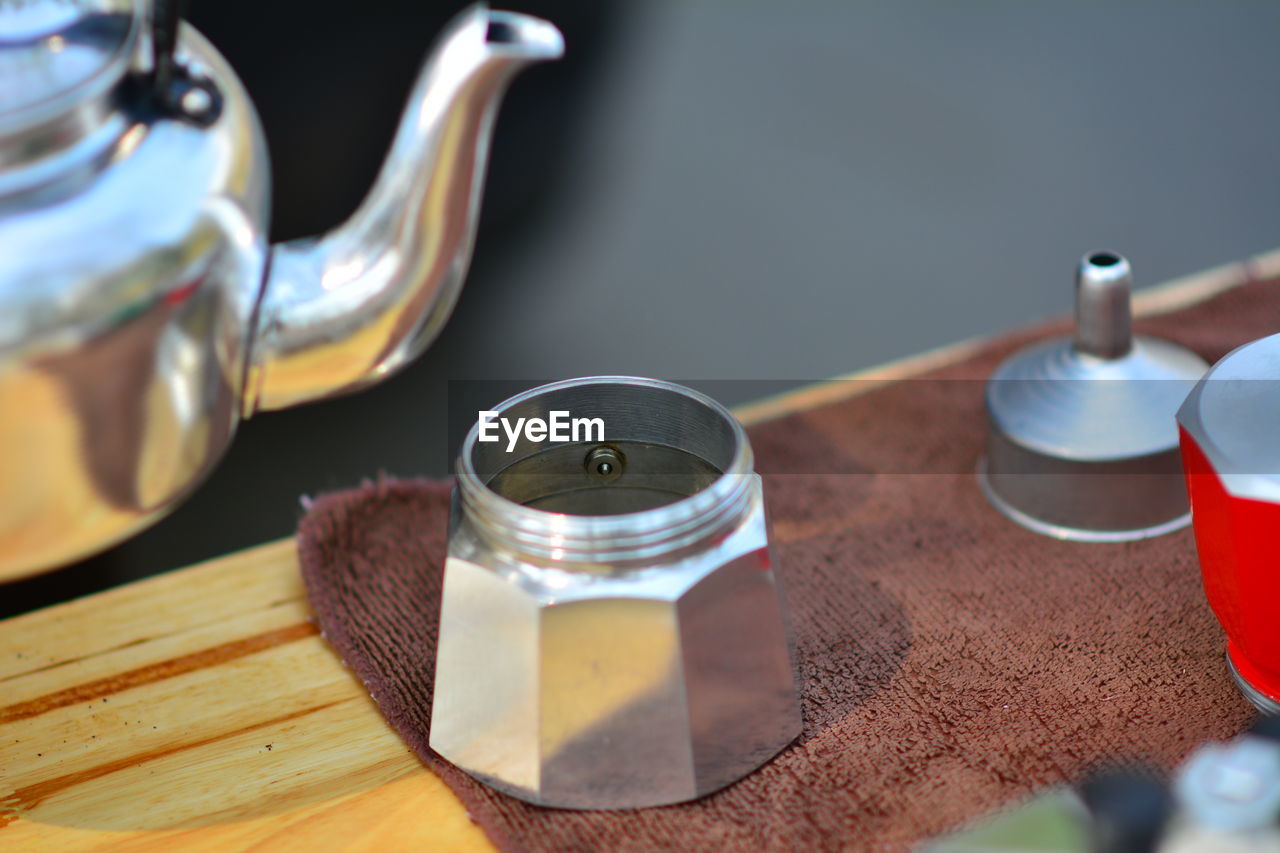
343, 311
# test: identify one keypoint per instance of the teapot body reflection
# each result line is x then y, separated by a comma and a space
142, 312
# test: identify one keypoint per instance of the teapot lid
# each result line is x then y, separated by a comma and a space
55, 53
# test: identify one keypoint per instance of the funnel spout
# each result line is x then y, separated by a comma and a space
346, 310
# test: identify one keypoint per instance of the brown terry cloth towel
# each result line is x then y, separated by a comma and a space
951, 662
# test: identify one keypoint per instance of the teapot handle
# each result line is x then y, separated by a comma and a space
163, 80
166, 16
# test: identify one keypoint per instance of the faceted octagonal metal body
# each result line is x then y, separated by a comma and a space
614, 684
1231, 455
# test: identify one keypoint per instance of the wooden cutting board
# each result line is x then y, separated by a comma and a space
201, 710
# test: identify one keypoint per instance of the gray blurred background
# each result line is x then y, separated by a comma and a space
767, 192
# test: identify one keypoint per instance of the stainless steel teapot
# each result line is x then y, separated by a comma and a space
142, 313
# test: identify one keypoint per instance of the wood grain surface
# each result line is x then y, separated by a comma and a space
201, 710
